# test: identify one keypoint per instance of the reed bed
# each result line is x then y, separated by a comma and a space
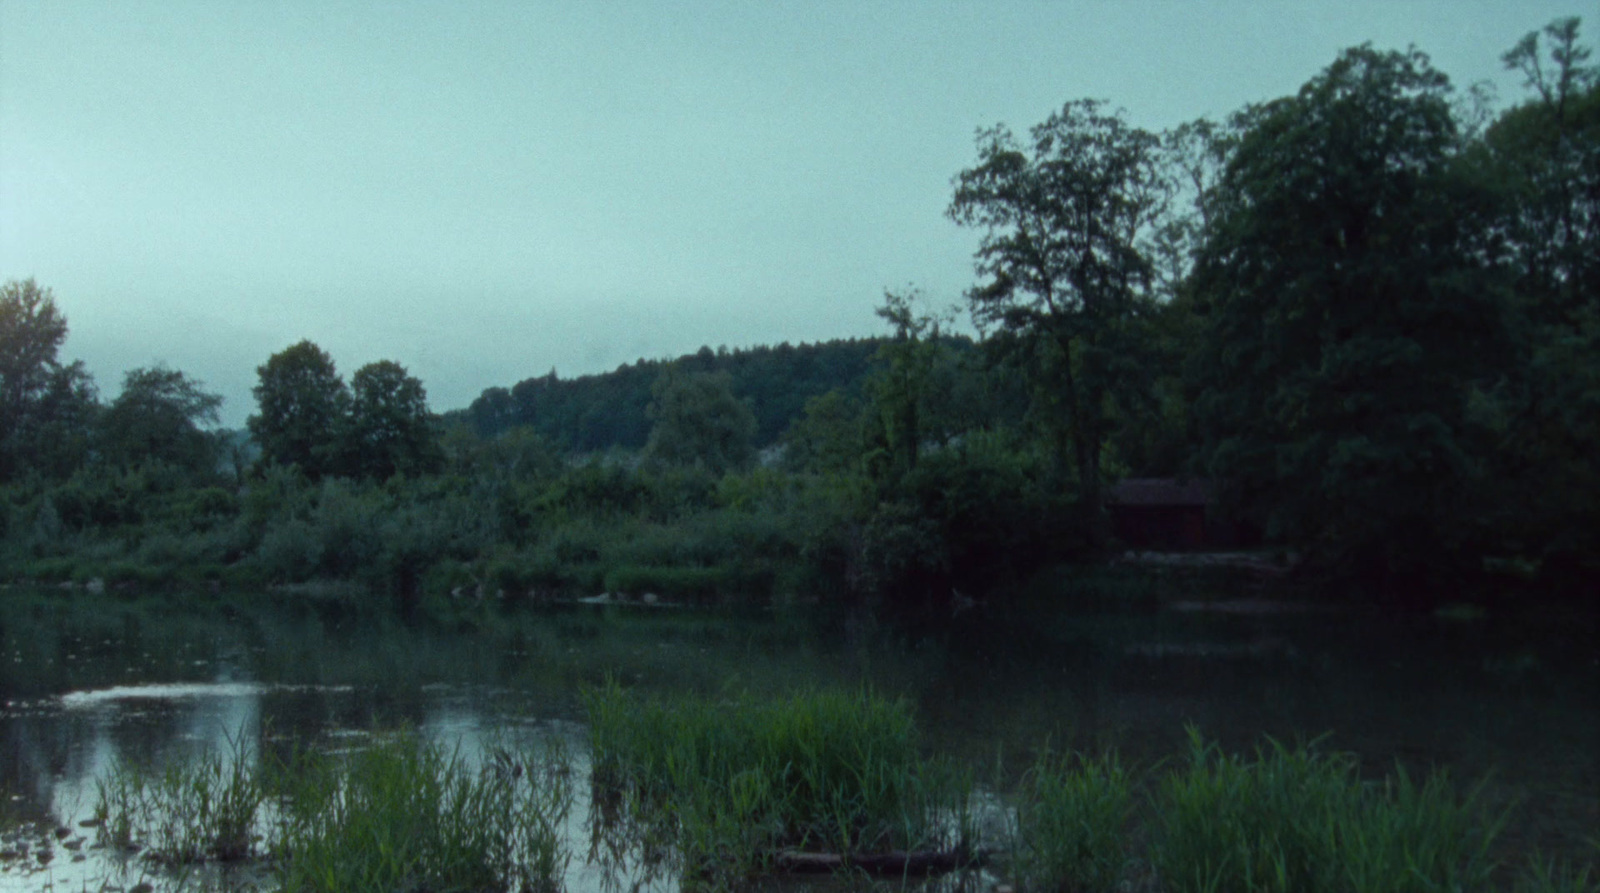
1295, 819
402, 814
1072, 819
735, 781
203, 809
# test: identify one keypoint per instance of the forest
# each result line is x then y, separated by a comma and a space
1367, 313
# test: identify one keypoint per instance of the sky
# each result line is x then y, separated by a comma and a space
484, 191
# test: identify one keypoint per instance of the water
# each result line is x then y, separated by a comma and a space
86, 683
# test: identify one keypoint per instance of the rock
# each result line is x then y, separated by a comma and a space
96, 585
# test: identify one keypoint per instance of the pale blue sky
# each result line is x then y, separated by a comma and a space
483, 191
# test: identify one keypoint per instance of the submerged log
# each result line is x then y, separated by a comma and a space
891, 863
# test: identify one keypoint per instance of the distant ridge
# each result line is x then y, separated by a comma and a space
597, 412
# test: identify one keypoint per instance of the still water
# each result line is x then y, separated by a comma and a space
90, 682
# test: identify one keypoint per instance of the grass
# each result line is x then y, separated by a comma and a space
734, 780
1294, 819
1072, 822
401, 814
405, 814
199, 810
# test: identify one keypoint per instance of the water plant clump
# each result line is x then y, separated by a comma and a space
738, 782
406, 814
199, 810
1072, 818
1295, 819
401, 814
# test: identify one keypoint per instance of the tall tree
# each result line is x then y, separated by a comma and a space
390, 428
45, 407
1348, 312
303, 404
699, 422
1541, 159
1063, 268
162, 414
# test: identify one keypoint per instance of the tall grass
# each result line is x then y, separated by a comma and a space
1303, 821
737, 779
199, 810
1072, 822
405, 814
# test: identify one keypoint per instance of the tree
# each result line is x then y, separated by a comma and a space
303, 405
1064, 271
161, 414
1543, 157
698, 422
1541, 160
45, 407
390, 429
1348, 312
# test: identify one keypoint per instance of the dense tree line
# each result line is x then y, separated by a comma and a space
1369, 312
598, 412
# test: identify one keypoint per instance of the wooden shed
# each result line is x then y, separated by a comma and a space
1170, 513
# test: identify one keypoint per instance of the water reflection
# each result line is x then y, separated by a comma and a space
86, 687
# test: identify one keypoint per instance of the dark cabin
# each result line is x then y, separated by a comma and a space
1168, 513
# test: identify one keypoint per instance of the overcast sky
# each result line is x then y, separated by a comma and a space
484, 191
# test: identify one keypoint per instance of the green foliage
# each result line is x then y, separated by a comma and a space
1303, 821
158, 417
699, 423
400, 814
600, 412
204, 808
390, 429
1348, 314
737, 779
404, 814
46, 408
1072, 823
303, 406
1064, 274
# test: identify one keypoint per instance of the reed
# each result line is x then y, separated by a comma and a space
199, 810
737, 780
1295, 819
1072, 822
407, 814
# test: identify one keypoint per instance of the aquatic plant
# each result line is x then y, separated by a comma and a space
1296, 819
1550, 876
406, 814
1071, 824
192, 811
737, 780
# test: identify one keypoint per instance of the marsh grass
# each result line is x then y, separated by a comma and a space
407, 814
1072, 819
202, 809
401, 814
1295, 819
735, 780
1549, 876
